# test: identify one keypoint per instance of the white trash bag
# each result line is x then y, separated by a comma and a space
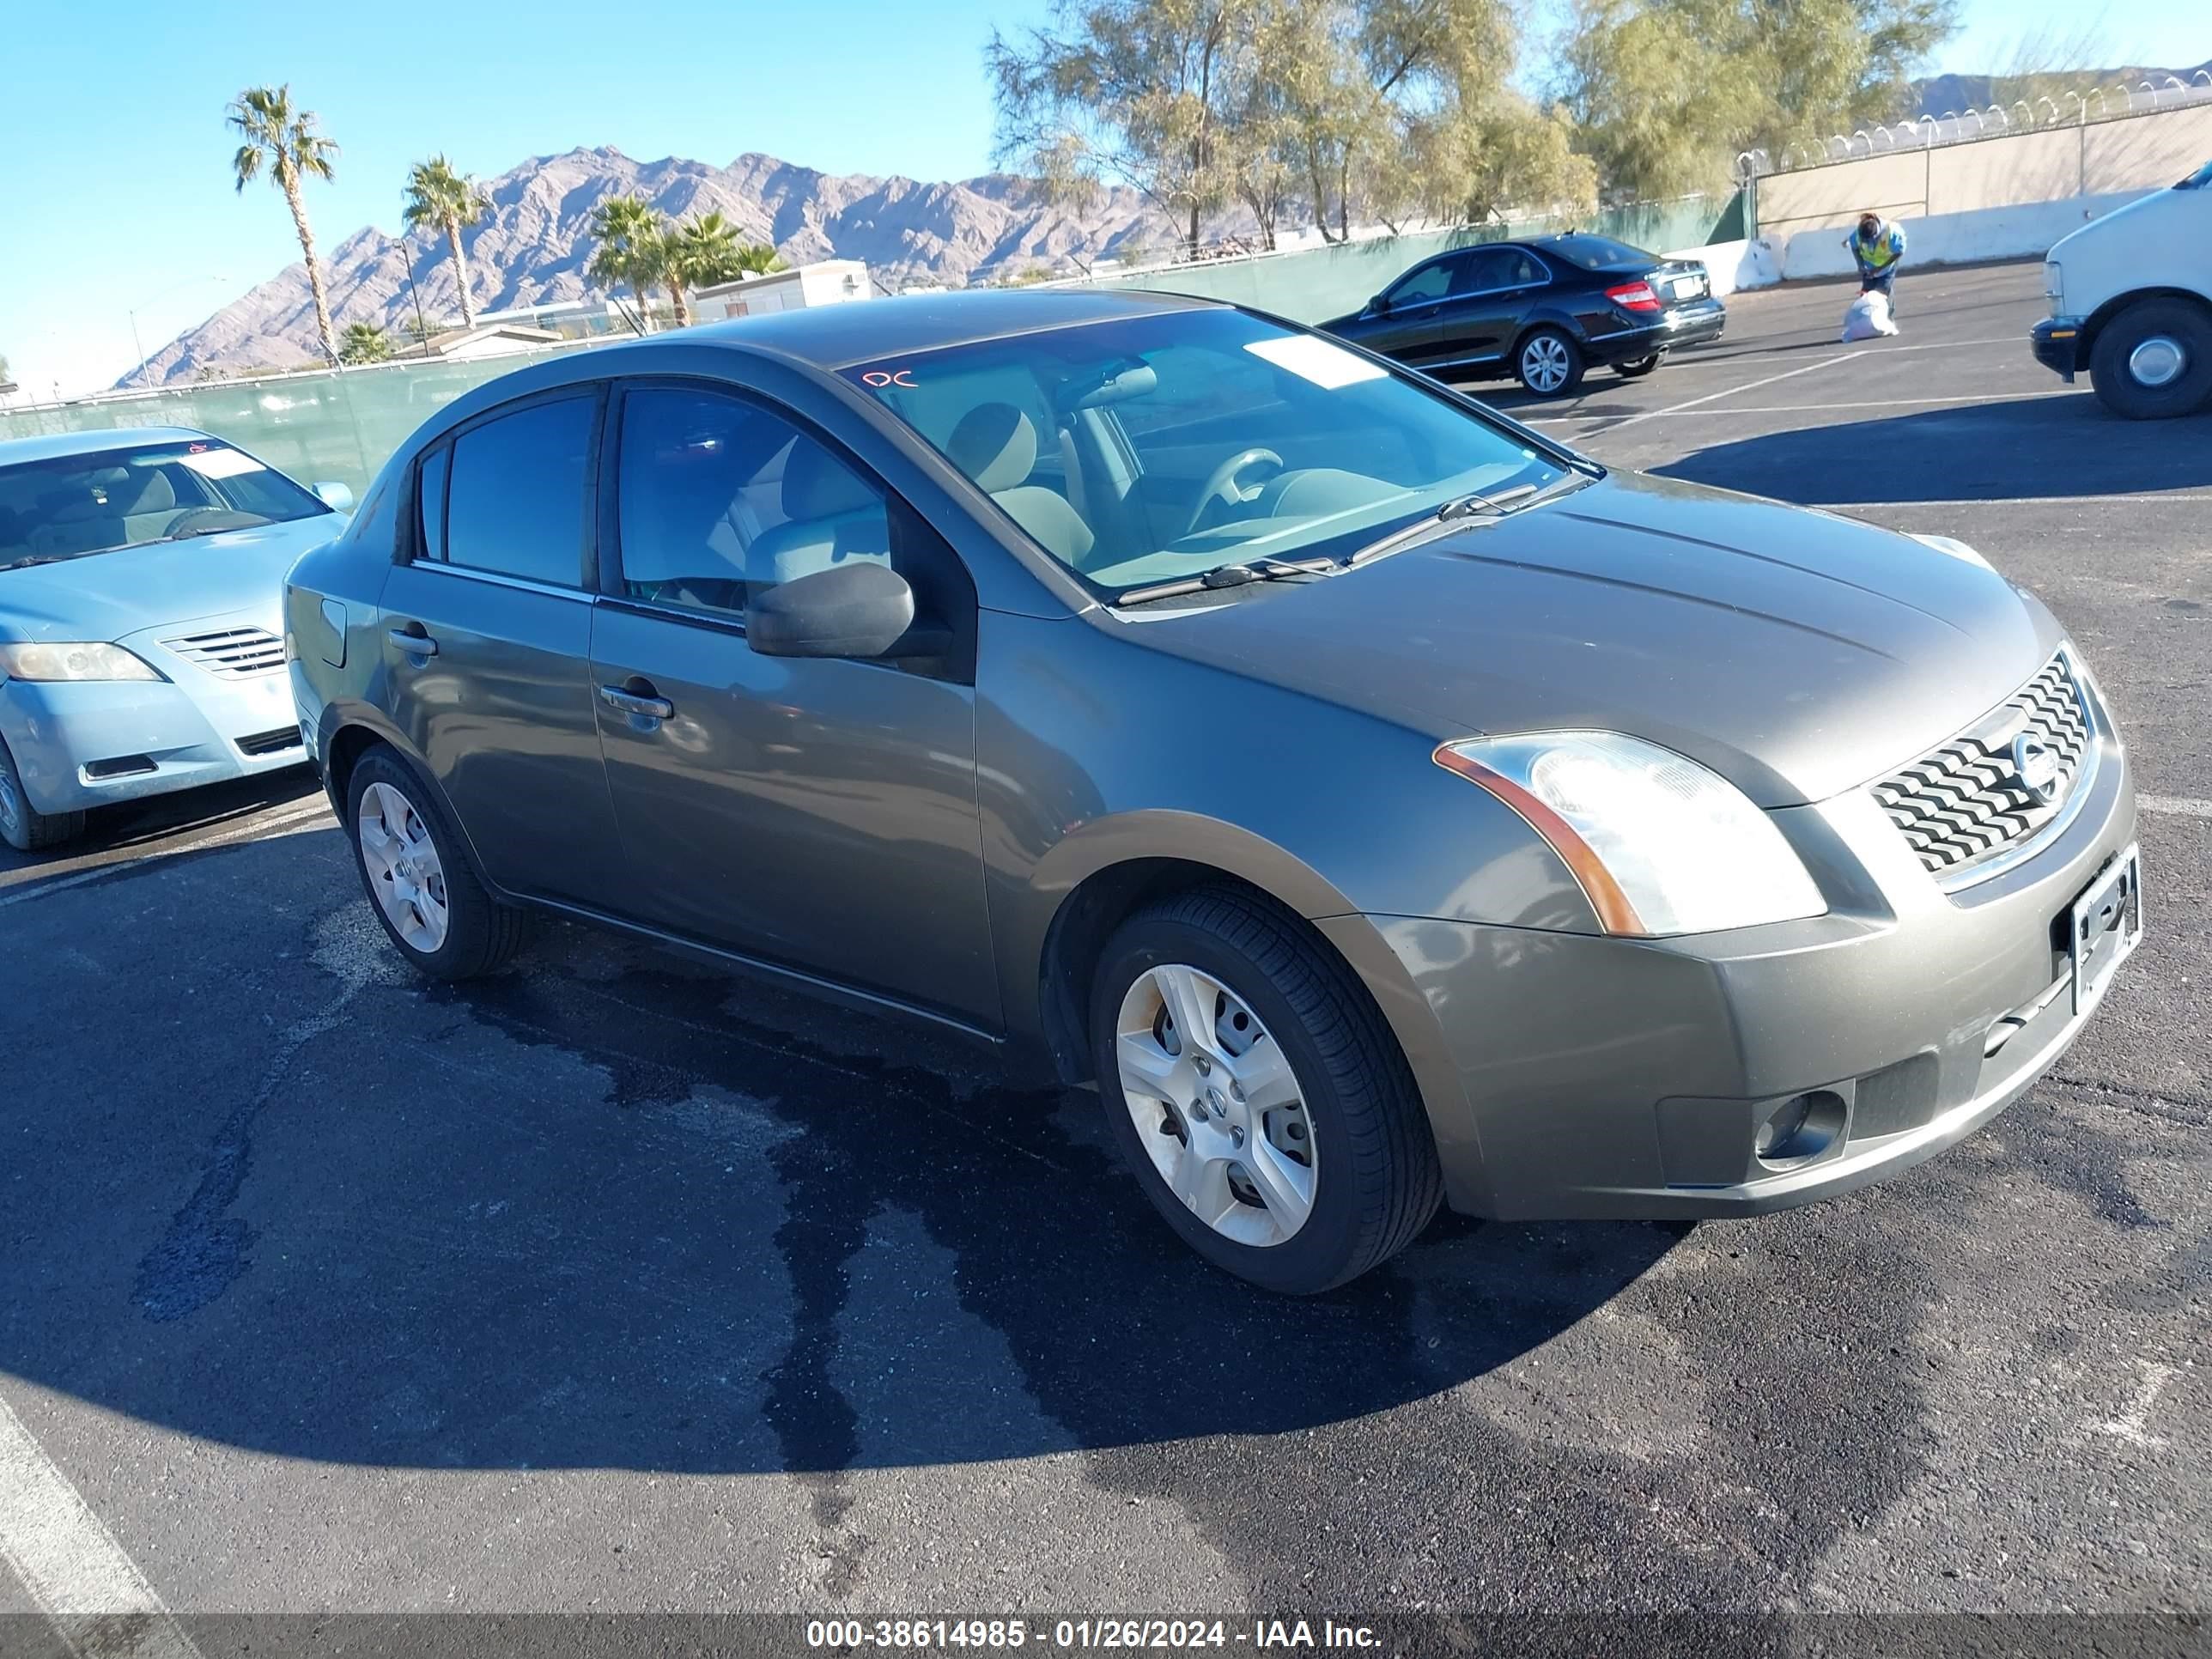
1869, 316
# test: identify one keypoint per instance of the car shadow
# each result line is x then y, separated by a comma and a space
131, 828
1996, 451
612, 1208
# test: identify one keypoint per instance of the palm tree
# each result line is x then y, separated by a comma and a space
364, 342
445, 200
708, 252
628, 232
286, 142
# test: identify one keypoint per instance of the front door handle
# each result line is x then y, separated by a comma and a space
409, 639
632, 702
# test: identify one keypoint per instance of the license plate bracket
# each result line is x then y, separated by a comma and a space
2103, 927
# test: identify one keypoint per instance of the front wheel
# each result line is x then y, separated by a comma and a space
1639, 368
1549, 364
418, 878
22, 826
1258, 1096
2153, 361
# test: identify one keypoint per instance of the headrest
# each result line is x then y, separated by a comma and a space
148, 491
994, 445
818, 485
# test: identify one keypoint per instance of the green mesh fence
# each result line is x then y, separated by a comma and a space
341, 424
334, 424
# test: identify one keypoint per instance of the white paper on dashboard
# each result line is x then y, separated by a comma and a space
1326, 365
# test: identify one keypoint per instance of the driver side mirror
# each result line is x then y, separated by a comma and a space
863, 609
1379, 306
335, 495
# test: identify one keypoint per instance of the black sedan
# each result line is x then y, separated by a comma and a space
1543, 311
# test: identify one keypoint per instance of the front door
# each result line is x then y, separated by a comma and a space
817, 813
1407, 327
487, 645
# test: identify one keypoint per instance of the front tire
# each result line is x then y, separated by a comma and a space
22, 826
1549, 364
1282, 1139
418, 877
2153, 361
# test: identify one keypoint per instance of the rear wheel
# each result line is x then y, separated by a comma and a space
1640, 367
2153, 361
1549, 364
22, 826
1258, 1096
418, 878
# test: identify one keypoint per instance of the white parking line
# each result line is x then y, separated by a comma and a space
258, 829
2159, 497
1749, 385
91, 1591
2185, 805
1822, 408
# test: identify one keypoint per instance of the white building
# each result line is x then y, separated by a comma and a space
826, 282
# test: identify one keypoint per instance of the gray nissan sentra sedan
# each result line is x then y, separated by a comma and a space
1382, 804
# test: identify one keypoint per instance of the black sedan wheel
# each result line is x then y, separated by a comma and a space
1640, 367
1549, 364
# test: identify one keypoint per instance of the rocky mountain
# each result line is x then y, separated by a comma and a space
532, 248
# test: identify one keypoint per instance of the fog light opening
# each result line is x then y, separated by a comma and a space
1800, 1129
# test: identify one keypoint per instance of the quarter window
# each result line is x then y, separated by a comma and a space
718, 498
514, 501
430, 503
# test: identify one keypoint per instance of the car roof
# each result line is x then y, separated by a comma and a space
833, 337
53, 445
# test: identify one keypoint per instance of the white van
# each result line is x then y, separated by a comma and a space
2131, 302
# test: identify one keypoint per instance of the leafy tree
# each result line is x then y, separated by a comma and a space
442, 199
631, 233
1666, 92
363, 342
286, 143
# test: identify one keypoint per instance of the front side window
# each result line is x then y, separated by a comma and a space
719, 497
73, 506
1429, 282
515, 492
1156, 447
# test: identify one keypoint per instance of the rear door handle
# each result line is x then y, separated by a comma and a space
408, 638
634, 702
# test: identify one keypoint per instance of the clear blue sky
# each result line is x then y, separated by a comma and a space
103, 212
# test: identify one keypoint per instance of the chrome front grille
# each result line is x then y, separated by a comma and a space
1966, 803
235, 653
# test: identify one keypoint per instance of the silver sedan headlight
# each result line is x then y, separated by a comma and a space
1660, 844
43, 661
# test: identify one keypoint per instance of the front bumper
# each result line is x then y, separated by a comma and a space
2058, 342
1579, 1076
81, 744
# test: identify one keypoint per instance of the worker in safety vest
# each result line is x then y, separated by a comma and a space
1879, 249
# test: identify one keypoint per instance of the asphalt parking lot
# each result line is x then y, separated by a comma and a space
616, 1283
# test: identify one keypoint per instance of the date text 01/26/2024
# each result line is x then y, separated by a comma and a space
1153, 1635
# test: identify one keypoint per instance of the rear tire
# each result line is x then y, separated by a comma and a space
1549, 364
22, 826
1345, 1128
418, 877
2153, 361
1640, 367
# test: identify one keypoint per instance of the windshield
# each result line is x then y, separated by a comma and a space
1156, 448
1599, 253
72, 506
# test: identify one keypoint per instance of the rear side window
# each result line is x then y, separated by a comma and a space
516, 491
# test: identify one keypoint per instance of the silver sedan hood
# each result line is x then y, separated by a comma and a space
1797, 653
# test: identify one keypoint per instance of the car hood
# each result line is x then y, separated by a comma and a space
1797, 653
108, 596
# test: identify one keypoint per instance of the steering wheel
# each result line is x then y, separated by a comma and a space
204, 520
1221, 487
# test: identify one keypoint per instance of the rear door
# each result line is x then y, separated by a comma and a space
1493, 289
817, 813
487, 646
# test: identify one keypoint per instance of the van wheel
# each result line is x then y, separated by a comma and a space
418, 876
1549, 364
22, 826
1256, 1093
2153, 361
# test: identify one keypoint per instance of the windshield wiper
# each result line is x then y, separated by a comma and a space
1229, 575
1502, 504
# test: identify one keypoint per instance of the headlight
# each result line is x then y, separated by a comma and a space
1955, 548
1660, 844
2054, 281
72, 662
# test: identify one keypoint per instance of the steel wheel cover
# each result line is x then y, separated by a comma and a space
2158, 361
1544, 362
1220, 1113
403, 869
